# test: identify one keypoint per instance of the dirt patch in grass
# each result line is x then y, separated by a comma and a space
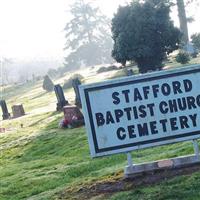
118, 183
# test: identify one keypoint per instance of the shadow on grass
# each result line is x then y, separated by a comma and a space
44, 119
17, 90
38, 96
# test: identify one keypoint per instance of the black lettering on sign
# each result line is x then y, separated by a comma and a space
182, 104
166, 90
143, 130
191, 102
151, 110
109, 118
118, 114
173, 106
198, 100
163, 123
135, 112
126, 95
121, 133
184, 122
137, 95
188, 85
194, 119
131, 131
177, 87
163, 107
155, 90
173, 123
100, 119
128, 112
116, 99
146, 91
142, 111
153, 127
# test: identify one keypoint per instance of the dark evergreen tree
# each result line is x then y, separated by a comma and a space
48, 84
88, 39
144, 33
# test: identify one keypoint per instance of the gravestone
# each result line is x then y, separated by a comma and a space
60, 97
129, 72
73, 115
75, 83
4, 108
18, 110
2, 130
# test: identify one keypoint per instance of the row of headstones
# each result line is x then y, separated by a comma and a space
61, 98
75, 83
72, 114
62, 103
17, 110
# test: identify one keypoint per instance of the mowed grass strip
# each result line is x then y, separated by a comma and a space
182, 187
51, 159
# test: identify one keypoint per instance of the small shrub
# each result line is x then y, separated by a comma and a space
194, 55
122, 73
68, 83
107, 69
48, 84
182, 57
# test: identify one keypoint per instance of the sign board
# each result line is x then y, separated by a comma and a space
142, 111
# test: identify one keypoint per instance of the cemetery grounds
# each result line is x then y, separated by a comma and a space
40, 161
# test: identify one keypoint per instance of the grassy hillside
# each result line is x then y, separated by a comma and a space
41, 161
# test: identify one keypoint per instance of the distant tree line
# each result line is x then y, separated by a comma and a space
142, 32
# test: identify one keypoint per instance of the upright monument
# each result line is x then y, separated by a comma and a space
4, 108
75, 83
18, 110
60, 97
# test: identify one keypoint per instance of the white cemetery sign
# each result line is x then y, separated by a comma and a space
142, 111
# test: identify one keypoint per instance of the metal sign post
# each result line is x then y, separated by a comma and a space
196, 149
129, 159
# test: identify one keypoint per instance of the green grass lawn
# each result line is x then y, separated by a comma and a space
41, 161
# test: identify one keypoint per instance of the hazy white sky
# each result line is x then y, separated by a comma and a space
34, 28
